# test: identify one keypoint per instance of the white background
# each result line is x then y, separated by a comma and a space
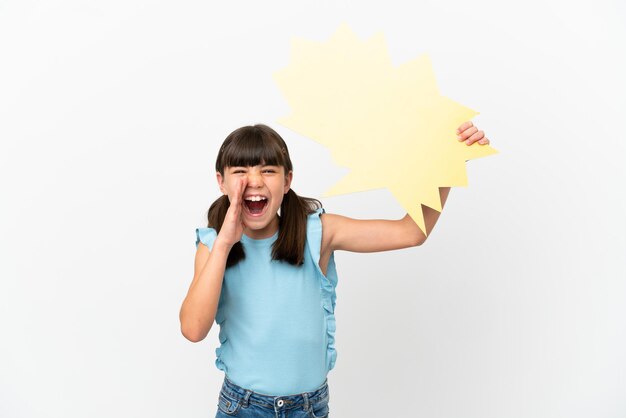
111, 114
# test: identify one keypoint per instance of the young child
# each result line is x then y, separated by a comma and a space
265, 272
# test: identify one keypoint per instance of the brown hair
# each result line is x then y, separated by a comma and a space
251, 146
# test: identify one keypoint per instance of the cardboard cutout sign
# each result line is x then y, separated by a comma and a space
389, 125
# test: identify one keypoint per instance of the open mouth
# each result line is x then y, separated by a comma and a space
256, 208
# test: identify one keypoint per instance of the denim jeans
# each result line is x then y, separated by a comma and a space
235, 401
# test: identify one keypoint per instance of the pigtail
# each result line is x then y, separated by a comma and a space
294, 209
217, 213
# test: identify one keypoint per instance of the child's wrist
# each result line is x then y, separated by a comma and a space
219, 245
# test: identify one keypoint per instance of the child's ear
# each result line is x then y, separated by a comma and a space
288, 179
220, 182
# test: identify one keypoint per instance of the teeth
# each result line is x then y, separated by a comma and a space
255, 198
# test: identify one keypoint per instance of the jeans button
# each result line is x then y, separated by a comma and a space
280, 402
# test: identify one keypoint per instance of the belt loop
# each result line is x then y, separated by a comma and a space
246, 397
306, 401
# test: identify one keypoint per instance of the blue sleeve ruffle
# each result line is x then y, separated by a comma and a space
328, 281
206, 236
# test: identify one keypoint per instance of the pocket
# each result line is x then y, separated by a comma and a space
228, 404
319, 409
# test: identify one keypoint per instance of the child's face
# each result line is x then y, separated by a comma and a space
268, 181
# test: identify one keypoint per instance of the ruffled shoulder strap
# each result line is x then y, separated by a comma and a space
206, 236
314, 240
328, 282
314, 235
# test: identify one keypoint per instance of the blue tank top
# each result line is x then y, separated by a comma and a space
277, 322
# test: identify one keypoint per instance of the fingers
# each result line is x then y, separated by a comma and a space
233, 224
244, 182
464, 126
238, 195
238, 191
469, 133
478, 135
464, 135
241, 188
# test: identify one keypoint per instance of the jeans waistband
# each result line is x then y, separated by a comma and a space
247, 395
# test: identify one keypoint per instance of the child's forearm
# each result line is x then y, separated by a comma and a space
200, 306
430, 215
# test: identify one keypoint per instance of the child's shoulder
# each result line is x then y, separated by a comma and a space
316, 213
323, 223
317, 222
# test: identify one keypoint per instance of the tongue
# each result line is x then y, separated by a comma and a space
256, 207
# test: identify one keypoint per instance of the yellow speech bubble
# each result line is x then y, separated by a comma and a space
388, 125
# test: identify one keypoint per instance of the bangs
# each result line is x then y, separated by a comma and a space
251, 146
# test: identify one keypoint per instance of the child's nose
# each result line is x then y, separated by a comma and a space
255, 179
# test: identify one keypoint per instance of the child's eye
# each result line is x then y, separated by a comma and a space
271, 170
